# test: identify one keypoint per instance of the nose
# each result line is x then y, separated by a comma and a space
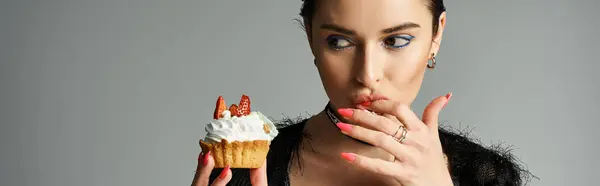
369, 67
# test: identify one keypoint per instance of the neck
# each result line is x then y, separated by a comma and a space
327, 140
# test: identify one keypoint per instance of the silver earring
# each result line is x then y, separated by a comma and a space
431, 62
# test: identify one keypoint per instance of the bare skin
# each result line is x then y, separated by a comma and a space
360, 63
371, 56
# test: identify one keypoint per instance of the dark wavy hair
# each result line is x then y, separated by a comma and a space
436, 7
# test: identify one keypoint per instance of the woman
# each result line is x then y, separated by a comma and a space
372, 56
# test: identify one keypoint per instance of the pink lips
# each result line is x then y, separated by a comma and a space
365, 100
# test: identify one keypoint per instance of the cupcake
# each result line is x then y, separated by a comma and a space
237, 136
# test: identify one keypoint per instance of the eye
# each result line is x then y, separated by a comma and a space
398, 41
338, 42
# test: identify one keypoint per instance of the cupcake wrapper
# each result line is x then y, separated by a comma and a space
245, 154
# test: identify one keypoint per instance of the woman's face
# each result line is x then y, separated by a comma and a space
369, 49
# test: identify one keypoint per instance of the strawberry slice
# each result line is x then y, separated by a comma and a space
234, 110
220, 107
244, 106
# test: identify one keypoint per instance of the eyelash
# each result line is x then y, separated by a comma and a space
334, 38
407, 38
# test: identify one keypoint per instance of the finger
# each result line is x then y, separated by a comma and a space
370, 120
258, 176
402, 112
205, 166
391, 118
196, 180
432, 111
377, 166
223, 178
378, 139
366, 107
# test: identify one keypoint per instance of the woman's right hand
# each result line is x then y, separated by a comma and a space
206, 163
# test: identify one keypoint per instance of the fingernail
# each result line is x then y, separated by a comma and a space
344, 127
346, 112
206, 158
448, 96
348, 156
366, 103
224, 172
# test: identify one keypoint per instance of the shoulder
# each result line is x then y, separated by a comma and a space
471, 163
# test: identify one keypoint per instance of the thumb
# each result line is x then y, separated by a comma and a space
432, 111
258, 176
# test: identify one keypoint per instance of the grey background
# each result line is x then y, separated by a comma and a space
116, 92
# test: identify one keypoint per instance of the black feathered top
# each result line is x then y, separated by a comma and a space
471, 164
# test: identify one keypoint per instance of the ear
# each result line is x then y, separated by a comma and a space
437, 38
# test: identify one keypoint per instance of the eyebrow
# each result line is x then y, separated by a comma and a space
403, 26
337, 28
340, 29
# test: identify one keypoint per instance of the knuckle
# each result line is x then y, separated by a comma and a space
380, 170
420, 146
417, 160
399, 108
416, 129
383, 125
406, 176
410, 175
410, 158
380, 121
380, 139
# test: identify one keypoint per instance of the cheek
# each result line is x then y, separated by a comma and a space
407, 68
335, 70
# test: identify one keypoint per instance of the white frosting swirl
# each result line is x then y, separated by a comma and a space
245, 128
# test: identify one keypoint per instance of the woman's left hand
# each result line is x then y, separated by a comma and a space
419, 160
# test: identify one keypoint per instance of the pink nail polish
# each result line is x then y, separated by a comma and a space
344, 126
348, 156
346, 112
224, 172
448, 96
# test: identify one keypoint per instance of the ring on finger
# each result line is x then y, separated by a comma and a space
397, 131
403, 137
402, 134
